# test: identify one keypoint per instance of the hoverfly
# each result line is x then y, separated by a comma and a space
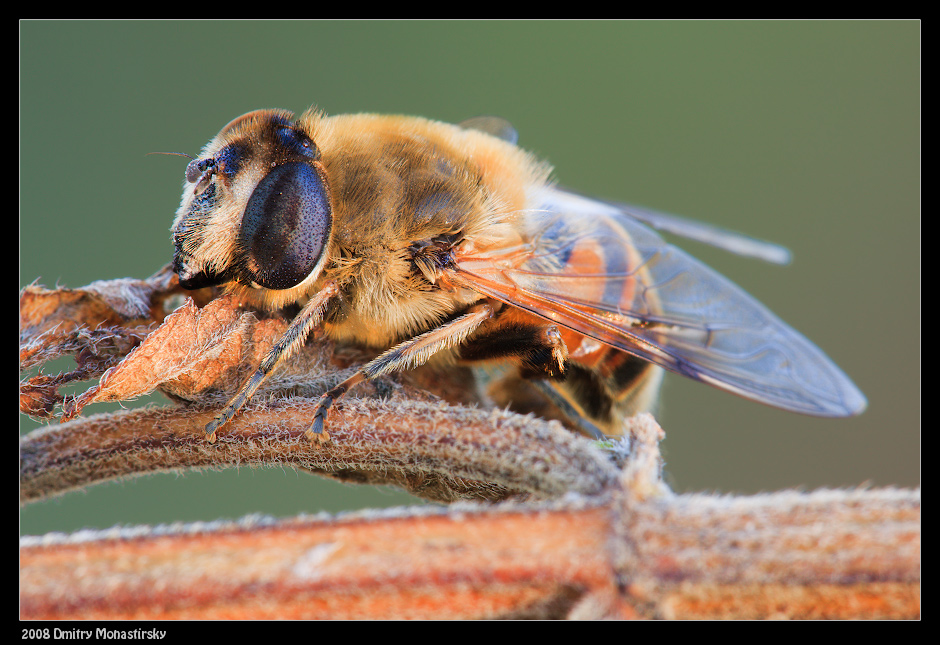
422, 240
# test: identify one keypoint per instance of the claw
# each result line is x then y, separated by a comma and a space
213, 426
320, 437
316, 431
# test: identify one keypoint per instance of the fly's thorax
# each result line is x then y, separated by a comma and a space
394, 315
406, 178
401, 184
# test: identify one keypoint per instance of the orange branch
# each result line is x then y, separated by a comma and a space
598, 534
830, 554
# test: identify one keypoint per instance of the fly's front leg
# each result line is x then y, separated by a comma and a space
308, 318
407, 355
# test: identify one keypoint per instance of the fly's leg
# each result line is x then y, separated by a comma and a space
538, 350
407, 355
542, 359
295, 336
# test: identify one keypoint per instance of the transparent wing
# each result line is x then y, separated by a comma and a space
721, 238
492, 125
716, 236
591, 267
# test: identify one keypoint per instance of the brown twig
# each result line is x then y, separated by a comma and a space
598, 533
829, 554
433, 450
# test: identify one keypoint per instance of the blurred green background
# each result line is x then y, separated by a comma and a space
804, 133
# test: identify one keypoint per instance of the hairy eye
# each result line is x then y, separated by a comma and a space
286, 226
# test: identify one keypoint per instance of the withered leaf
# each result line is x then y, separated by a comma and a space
105, 303
196, 355
96, 325
195, 351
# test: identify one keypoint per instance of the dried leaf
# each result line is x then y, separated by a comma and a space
106, 303
193, 351
97, 325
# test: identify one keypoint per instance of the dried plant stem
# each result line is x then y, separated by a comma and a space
598, 534
619, 544
432, 449
829, 554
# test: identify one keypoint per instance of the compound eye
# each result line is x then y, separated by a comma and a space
286, 226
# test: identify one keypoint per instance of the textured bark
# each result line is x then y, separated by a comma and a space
580, 530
